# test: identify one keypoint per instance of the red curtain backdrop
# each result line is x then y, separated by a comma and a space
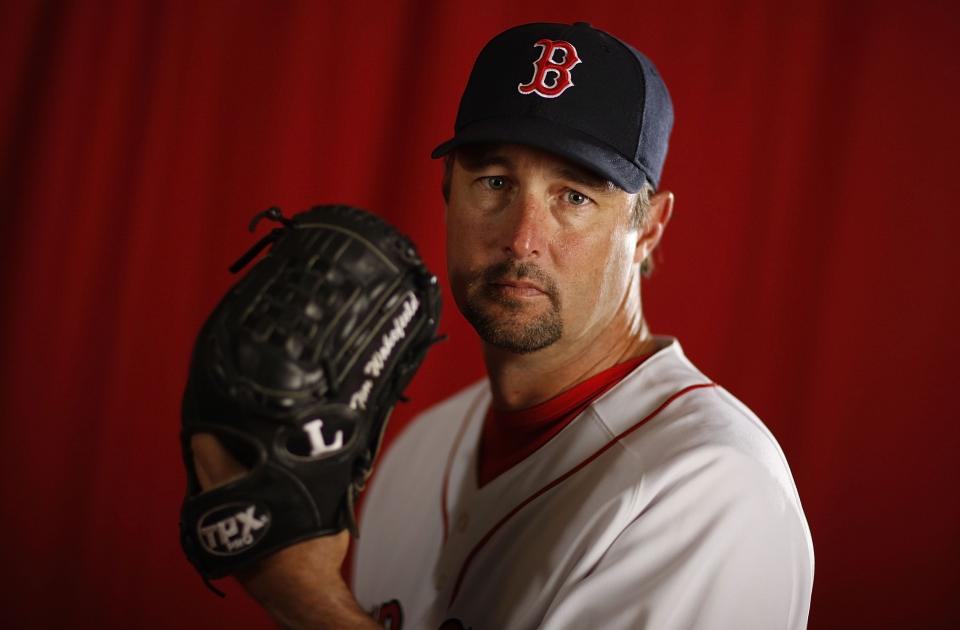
810, 266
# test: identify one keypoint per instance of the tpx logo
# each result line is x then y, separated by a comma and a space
551, 71
232, 528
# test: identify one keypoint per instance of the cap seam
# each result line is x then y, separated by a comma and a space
638, 71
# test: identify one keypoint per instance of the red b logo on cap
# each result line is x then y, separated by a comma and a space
551, 76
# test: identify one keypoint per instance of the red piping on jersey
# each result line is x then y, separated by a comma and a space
557, 481
453, 451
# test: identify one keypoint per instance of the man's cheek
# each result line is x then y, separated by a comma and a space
461, 285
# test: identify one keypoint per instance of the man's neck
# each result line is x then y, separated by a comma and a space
519, 381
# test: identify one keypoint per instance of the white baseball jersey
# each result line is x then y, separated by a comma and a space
665, 504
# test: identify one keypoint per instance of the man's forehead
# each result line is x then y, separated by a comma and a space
480, 156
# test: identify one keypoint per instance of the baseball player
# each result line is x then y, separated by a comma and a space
595, 478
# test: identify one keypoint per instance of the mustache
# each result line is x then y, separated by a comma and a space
514, 270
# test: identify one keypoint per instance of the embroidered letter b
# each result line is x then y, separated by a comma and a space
551, 71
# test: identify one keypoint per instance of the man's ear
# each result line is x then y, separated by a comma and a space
651, 230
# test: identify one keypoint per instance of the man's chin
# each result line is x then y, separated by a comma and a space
511, 329
518, 344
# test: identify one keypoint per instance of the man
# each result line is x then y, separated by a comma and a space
596, 478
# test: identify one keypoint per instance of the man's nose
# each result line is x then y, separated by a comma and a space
526, 236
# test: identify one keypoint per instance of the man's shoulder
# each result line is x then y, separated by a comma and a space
672, 417
446, 416
433, 430
458, 403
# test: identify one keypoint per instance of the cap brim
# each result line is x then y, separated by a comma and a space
568, 143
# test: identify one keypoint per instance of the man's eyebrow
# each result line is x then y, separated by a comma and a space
480, 161
586, 178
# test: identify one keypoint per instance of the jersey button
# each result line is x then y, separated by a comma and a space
440, 581
462, 522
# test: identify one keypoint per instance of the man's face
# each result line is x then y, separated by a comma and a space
539, 251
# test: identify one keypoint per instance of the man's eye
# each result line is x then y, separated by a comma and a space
577, 198
496, 182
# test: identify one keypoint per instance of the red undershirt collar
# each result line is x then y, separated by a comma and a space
509, 437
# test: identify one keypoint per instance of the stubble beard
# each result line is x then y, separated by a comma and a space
496, 317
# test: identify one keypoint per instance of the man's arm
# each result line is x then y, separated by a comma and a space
300, 586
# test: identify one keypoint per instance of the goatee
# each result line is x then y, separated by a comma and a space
501, 329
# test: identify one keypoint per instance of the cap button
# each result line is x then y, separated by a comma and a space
584, 24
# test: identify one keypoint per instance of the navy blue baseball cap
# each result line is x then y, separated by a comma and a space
572, 90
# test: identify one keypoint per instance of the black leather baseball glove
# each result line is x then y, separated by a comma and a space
296, 372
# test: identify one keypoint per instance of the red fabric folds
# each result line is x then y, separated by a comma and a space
808, 268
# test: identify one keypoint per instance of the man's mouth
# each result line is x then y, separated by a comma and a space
517, 288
